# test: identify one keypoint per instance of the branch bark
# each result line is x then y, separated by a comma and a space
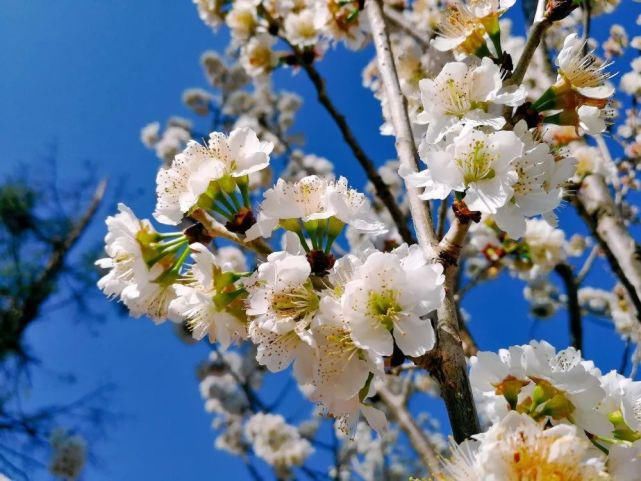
534, 39
216, 229
446, 361
575, 323
596, 206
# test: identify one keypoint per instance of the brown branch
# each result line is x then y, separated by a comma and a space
534, 39
216, 230
446, 362
596, 206
575, 324
382, 189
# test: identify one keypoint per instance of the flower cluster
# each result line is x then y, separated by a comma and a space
277, 442
553, 415
506, 132
335, 320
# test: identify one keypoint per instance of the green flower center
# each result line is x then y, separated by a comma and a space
477, 163
298, 303
384, 307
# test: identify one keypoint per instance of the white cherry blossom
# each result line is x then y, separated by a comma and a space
465, 93
387, 299
314, 198
539, 186
479, 164
206, 303
179, 186
519, 448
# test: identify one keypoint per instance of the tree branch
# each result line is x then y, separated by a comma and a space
397, 19
216, 229
381, 188
596, 206
575, 323
420, 442
534, 39
446, 361
27, 308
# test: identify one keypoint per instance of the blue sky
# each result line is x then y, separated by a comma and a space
85, 76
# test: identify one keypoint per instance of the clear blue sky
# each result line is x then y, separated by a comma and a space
85, 76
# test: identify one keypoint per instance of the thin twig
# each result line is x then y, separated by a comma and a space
216, 229
587, 265
416, 435
534, 39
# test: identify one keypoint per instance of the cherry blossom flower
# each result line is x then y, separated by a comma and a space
388, 297
539, 186
281, 295
479, 164
142, 265
520, 448
257, 55
304, 27
460, 30
281, 302
534, 378
276, 442
187, 181
342, 369
209, 301
583, 72
473, 95
242, 19
310, 200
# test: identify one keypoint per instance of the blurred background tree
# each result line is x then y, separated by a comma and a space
40, 225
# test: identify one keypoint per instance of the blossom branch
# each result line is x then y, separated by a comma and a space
442, 218
587, 265
566, 273
596, 206
534, 39
216, 229
447, 361
398, 20
422, 445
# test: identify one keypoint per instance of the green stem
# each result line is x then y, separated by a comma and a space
223, 200
167, 235
244, 191
181, 260
303, 241
221, 211
232, 196
164, 245
330, 242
